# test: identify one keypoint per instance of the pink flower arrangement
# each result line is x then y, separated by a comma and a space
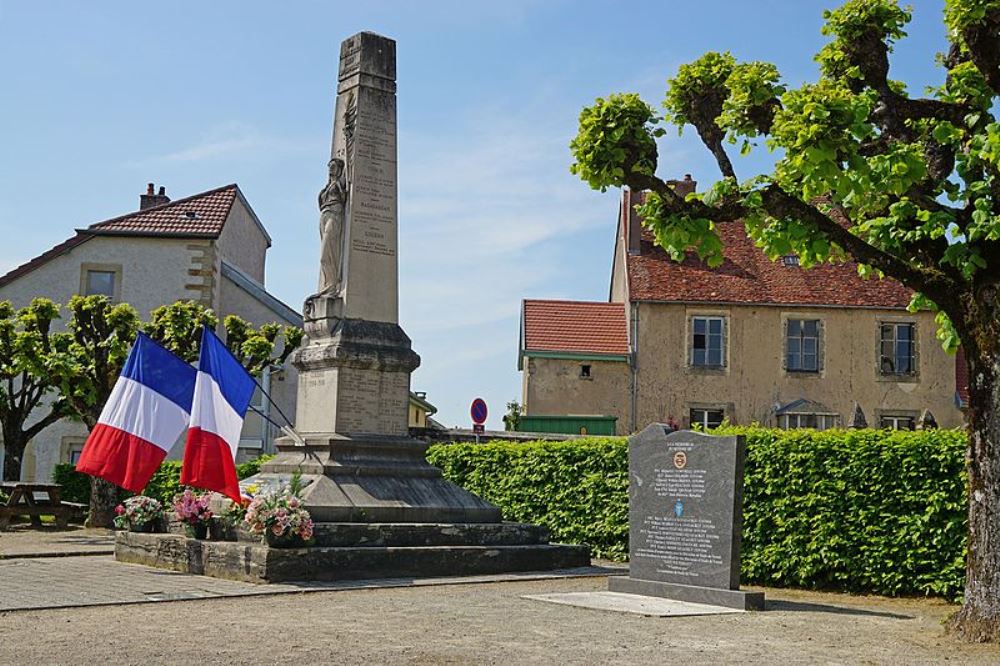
191, 508
281, 514
136, 512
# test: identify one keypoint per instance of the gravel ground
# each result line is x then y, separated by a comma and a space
483, 623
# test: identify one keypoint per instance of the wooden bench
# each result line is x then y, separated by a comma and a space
22, 502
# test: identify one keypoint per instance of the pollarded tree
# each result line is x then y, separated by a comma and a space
25, 340
907, 186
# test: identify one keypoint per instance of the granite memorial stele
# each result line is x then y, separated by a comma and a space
381, 510
686, 518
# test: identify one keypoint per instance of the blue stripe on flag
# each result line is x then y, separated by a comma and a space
233, 379
162, 371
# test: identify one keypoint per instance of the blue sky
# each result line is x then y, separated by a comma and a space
100, 98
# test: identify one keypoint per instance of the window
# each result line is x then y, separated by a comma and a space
894, 422
100, 283
802, 345
805, 420
584, 372
101, 280
896, 350
707, 418
708, 341
790, 260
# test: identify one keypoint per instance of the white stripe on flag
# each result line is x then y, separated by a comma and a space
141, 411
213, 413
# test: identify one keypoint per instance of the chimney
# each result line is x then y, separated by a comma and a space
632, 221
148, 200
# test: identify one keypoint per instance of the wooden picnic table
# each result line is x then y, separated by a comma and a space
23, 501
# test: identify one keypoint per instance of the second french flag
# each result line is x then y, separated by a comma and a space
222, 393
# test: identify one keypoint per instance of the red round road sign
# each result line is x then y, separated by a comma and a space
478, 411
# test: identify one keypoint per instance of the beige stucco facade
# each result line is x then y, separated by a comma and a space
755, 383
556, 386
660, 383
224, 273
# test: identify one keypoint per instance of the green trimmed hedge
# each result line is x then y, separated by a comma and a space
166, 482
869, 511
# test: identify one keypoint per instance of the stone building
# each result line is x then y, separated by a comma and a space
750, 341
209, 247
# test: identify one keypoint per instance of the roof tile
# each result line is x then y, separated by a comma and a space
203, 214
575, 326
748, 276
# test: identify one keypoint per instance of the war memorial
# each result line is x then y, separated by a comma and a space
380, 509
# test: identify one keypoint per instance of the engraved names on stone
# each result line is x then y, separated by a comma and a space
685, 513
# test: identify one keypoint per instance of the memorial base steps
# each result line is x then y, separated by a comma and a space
354, 551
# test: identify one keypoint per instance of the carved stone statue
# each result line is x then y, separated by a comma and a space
332, 216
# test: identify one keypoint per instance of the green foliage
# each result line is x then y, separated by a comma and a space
881, 512
577, 489
961, 14
616, 135
916, 179
178, 327
687, 91
512, 419
164, 485
85, 365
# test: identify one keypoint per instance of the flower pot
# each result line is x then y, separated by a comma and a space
196, 530
287, 540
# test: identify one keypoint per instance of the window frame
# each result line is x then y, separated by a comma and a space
704, 422
784, 420
913, 356
801, 340
722, 335
115, 269
895, 418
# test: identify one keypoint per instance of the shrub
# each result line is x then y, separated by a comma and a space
165, 484
862, 511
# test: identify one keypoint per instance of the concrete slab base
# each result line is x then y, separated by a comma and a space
632, 603
688, 593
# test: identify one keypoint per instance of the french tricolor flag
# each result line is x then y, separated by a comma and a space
222, 395
147, 411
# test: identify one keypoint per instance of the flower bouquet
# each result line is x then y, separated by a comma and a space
281, 519
139, 514
193, 511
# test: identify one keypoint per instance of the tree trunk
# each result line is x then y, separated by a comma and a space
103, 500
13, 454
979, 618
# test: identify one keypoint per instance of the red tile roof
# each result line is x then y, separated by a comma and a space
748, 276
200, 215
574, 326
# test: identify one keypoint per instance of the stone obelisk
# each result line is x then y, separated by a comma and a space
358, 461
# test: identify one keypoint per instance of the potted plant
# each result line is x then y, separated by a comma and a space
139, 514
192, 510
281, 519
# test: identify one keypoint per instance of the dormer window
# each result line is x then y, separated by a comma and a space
790, 260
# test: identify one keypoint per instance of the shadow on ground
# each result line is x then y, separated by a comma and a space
804, 607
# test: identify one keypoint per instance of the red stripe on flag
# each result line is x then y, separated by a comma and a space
120, 457
209, 464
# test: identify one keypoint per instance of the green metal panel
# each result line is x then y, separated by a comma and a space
569, 425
